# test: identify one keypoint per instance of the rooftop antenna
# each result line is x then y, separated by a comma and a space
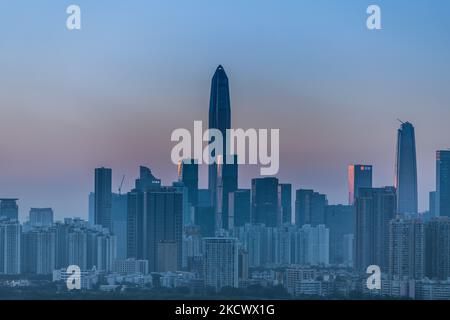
400, 121
121, 184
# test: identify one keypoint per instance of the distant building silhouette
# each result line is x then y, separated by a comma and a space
9, 209
359, 176
309, 207
265, 204
163, 215
135, 212
103, 197
285, 197
375, 208
443, 183
239, 207
340, 220
406, 170
41, 217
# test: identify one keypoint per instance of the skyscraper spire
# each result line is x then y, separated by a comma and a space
406, 170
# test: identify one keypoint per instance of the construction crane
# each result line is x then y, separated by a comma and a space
121, 184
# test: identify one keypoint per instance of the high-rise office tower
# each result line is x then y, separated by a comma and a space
239, 207
437, 248
309, 207
285, 198
188, 174
135, 212
9, 209
162, 222
265, 204
227, 182
103, 197
10, 255
219, 118
406, 249
220, 262
443, 183
359, 176
340, 220
41, 217
375, 208
406, 170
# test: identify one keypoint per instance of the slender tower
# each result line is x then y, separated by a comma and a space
406, 170
220, 118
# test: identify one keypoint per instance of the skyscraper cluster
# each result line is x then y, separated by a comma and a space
220, 234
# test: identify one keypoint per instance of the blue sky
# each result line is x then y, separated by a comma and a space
112, 93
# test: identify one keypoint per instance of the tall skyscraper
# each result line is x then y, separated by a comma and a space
220, 261
309, 207
406, 249
162, 222
375, 208
41, 217
406, 170
9, 209
265, 204
135, 212
285, 198
103, 197
219, 118
443, 183
359, 176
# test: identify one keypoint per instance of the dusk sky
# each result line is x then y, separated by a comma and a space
112, 93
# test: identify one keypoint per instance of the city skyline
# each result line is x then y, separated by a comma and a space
121, 115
